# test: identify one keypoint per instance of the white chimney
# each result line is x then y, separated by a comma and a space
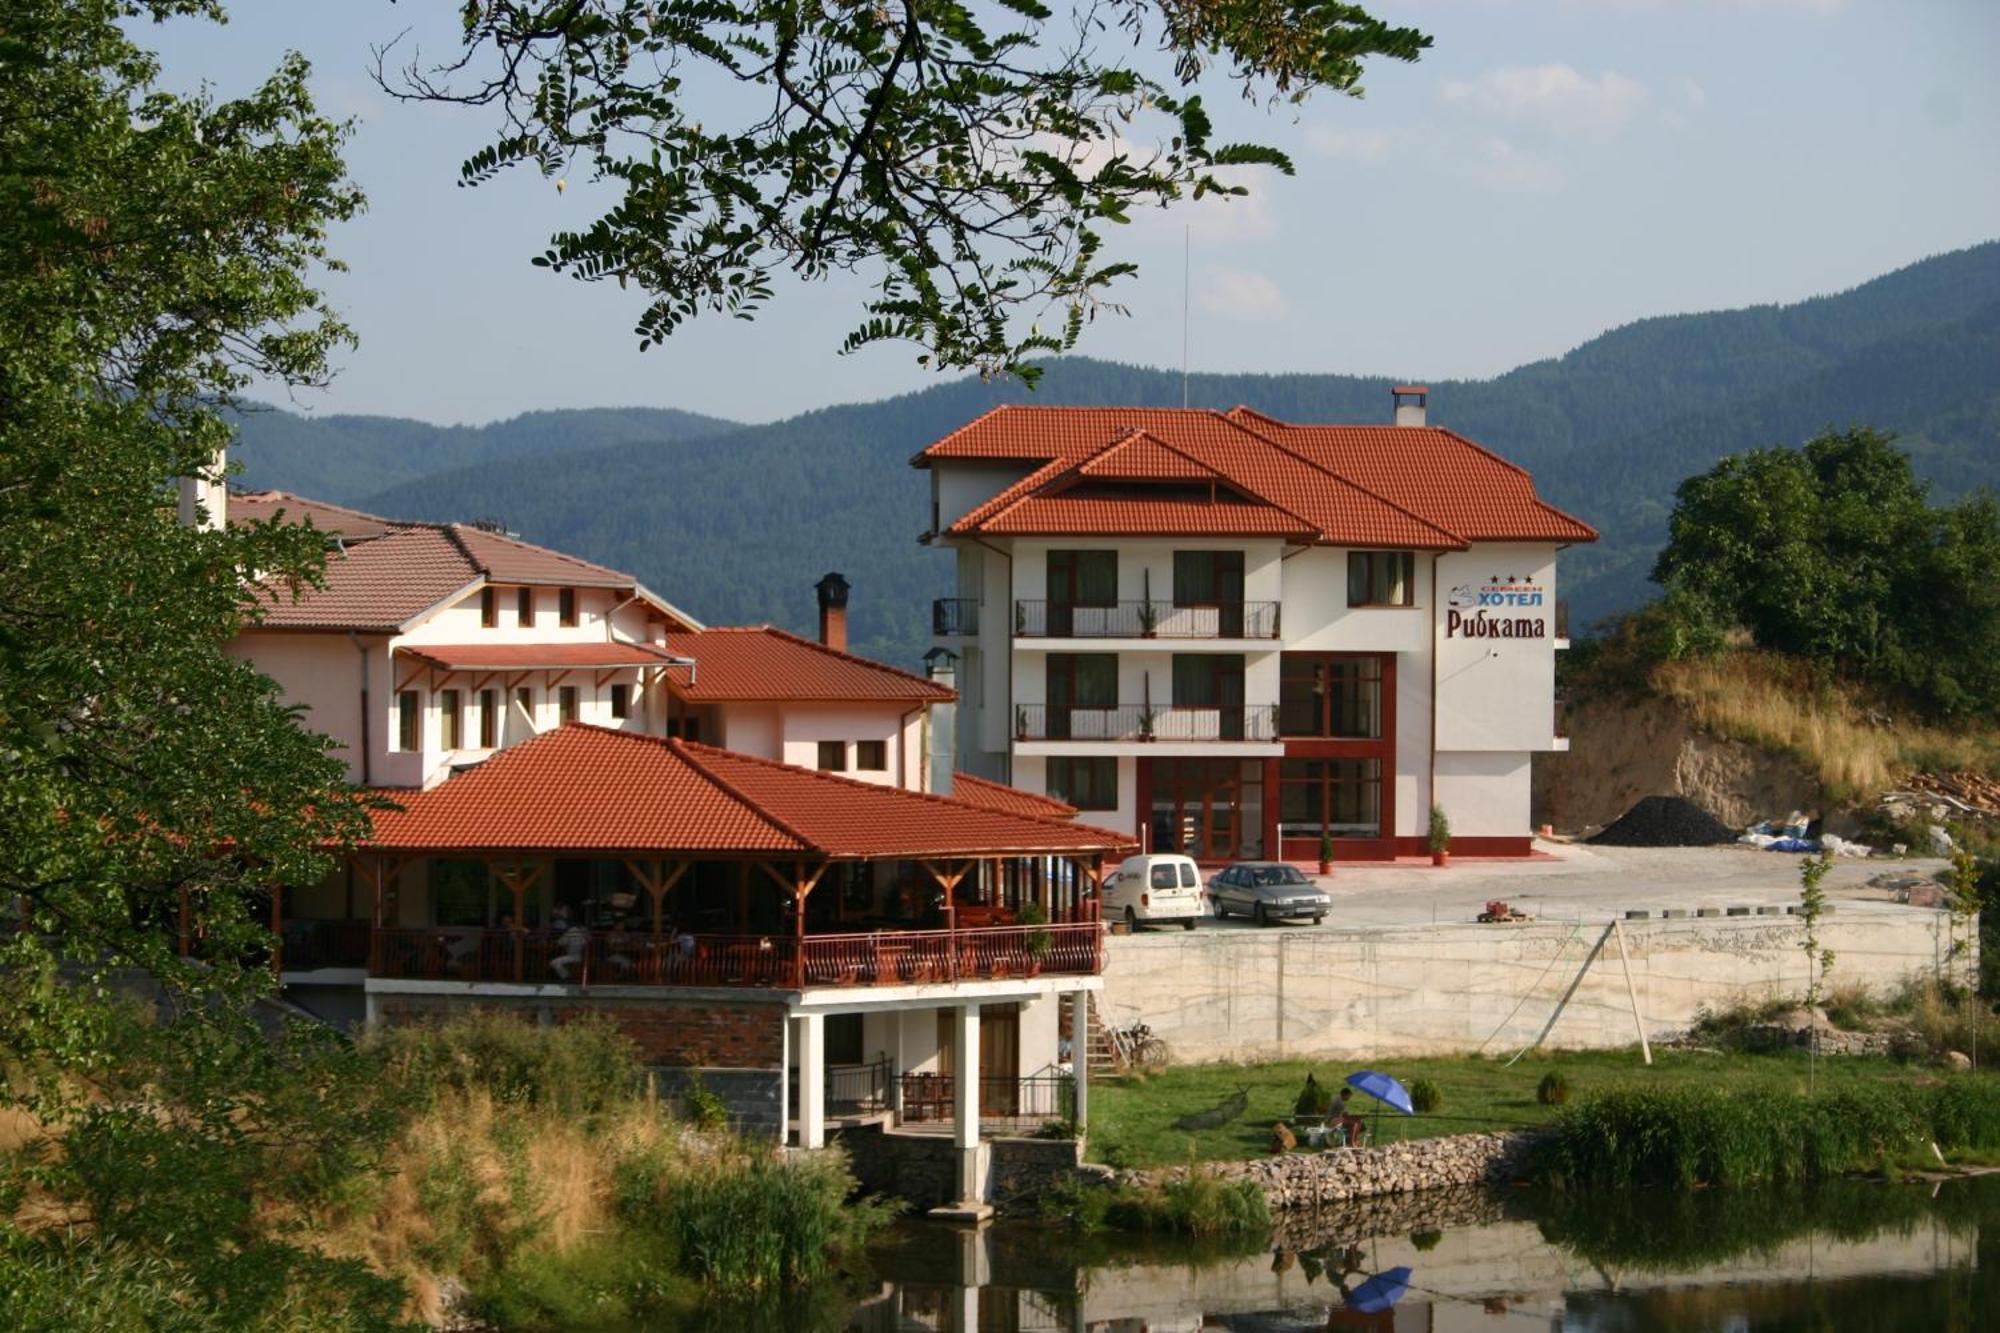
205, 496
941, 721
1409, 403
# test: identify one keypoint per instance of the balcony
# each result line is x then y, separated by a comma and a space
632, 958
1146, 722
1145, 620
955, 617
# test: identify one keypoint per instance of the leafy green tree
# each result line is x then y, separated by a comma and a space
153, 789
967, 160
1833, 553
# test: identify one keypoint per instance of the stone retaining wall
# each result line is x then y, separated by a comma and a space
922, 1169
1310, 1181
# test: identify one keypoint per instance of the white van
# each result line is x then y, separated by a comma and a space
1154, 888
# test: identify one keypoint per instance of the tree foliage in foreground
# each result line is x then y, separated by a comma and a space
159, 252
1833, 553
966, 158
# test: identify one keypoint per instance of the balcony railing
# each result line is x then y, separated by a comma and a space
1034, 1099
612, 958
955, 616
1141, 722
854, 1089
1145, 620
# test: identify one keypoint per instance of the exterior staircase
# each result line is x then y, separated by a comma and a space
1103, 1060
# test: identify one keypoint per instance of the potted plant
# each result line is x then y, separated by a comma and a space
1149, 619
1440, 839
1326, 852
1038, 939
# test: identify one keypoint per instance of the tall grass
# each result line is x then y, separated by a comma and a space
1684, 1137
1200, 1205
1776, 702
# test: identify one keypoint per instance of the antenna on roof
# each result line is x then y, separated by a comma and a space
1187, 247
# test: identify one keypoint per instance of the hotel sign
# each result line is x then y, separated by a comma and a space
1509, 608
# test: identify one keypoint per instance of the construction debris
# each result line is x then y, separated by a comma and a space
1665, 821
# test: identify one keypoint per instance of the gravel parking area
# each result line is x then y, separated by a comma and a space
1569, 881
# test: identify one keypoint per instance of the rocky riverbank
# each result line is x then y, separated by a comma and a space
1308, 1181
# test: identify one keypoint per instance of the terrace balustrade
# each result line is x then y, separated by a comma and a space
1143, 722
1035, 619
631, 958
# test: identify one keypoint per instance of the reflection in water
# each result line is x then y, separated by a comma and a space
1844, 1257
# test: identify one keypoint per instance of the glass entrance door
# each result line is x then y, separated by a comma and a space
1210, 809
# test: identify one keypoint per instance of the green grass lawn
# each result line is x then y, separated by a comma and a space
1131, 1118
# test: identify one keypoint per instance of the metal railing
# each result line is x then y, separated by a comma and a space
1145, 620
1035, 1098
626, 958
853, 1089
1140, 722
955, 616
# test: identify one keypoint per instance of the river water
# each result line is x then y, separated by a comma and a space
1846, 1256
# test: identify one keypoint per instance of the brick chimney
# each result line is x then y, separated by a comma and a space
1410, 400
832, 592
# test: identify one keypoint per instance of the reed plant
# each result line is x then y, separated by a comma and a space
1686, 1137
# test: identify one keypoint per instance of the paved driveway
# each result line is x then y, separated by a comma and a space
1574, 882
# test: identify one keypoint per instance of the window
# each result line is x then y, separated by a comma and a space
1208, 578
1166, 875
449, 718
1335, 697
489, 607
566, 606
489, 719
833, 756
1381, 578
460, 892
524, 606
872, 756
1086, 783
621, 701
1206, 683
1083, 578
566, 704
409, 722
1339, 796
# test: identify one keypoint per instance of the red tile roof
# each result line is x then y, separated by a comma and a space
749, 663
1402, 486
510, 560
581, 788
533, 656
282, 506
999, 796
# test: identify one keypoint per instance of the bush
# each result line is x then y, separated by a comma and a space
761, 1223
702, 1106
579, 1068
1200, 1205
1425, 1096
1313, 1101
1683, 1137
1553, 1090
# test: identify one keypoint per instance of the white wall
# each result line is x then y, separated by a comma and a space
459, 622
804, 726
959, 487
1497, 693
1147, 563
1318, 618
1484, 793
1031, 773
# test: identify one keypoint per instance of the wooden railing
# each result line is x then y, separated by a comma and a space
879, 958
312, 944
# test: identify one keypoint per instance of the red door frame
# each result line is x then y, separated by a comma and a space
1383, 748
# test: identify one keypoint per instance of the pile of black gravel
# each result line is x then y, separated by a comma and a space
1665, 821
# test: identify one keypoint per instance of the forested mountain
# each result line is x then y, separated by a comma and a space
344, 458
737, 525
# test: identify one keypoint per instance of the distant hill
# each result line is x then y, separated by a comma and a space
344, 458
737, 524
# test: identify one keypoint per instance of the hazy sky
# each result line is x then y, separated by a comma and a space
1552, 168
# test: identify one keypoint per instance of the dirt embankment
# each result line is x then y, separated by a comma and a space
1624, 748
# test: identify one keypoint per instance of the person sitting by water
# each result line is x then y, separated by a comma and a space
571, 941
1351, 1125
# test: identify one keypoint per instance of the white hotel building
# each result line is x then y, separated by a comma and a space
1225, 633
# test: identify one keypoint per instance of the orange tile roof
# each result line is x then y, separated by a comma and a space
532, 656
582, 788
751, 663
1401, 486
1000, 796
510, 560
282, 506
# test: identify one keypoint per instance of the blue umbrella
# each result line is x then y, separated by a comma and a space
1383, 1089
1383, 1290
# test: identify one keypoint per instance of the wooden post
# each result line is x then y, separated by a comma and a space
1631, 991
657, 881
519, 878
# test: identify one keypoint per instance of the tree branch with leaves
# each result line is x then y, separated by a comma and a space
967, 162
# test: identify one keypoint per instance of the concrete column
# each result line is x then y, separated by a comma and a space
965, 1077
785, 1082
812, 1080
1079, 1055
